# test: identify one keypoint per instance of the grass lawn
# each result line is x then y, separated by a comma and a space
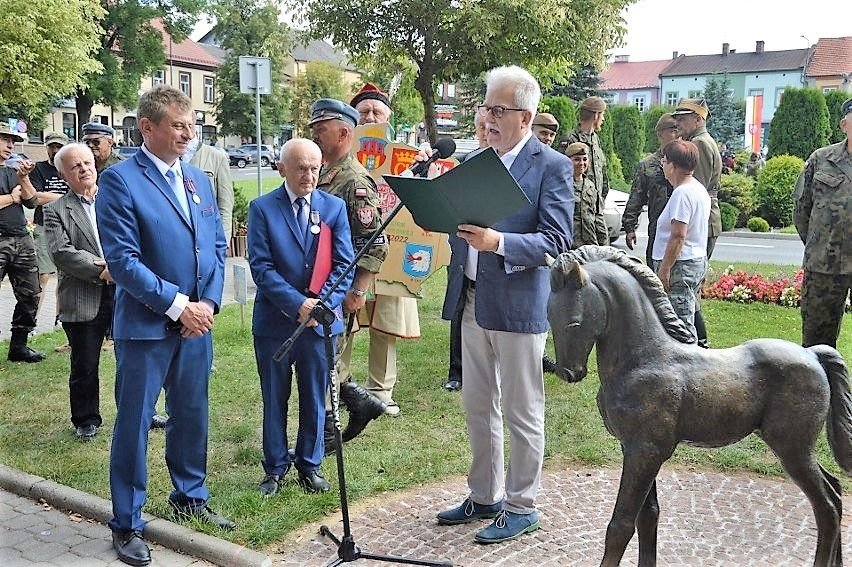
249, 186
424, 445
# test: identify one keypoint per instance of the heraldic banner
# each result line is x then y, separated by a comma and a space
413, 253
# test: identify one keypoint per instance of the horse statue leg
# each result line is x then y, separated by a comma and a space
836, 493
638, 472
646, 526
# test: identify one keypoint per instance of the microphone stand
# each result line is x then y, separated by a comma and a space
347, 550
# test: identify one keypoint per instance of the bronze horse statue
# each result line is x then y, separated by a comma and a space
658, 389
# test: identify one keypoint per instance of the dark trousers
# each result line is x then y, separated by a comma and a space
18, 261
822, 304
455, 371
85, 339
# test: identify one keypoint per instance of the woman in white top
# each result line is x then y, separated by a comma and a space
680, 248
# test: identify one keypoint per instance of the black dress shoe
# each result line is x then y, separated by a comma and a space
270, 484
87, 432
453, 385
363, 408
204, 514
159, 421
548, 364
24, 354
313, 482
130, 547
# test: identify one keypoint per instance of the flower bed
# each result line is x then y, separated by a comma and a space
741, 287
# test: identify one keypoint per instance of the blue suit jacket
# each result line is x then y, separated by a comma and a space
512, 290
152, 250
281, 261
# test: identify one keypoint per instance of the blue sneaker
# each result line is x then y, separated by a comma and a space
468, 511
508, 525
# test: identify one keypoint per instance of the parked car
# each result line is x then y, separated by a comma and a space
127, 151
239, 157
614, 206
267, 154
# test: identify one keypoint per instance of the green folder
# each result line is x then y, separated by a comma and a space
479, 191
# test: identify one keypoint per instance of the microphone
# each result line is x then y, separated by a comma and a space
445, 148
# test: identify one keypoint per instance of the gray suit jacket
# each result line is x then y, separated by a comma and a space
215, 163
72, 243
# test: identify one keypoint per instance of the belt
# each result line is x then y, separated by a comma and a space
471, 284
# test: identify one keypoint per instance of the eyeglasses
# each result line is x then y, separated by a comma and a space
93, 142
497, 111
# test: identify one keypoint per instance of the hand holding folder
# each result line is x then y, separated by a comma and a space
480, 191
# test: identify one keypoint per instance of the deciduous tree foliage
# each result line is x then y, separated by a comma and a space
628, 136
727, 119
250, 28
47, 50
448, 39
399, 73
800, 124
320, 80
130, 48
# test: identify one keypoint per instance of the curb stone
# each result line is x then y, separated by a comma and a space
157, 530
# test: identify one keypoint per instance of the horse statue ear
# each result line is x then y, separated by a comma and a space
567, 274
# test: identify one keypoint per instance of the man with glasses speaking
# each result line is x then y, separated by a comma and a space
500, 274
99, 139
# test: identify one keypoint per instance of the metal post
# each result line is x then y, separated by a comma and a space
257, 120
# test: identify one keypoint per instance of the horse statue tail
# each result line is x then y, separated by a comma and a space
838, 427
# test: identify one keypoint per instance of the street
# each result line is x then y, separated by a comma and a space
250, 172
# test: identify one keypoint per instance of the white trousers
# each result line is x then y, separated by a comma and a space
502, 375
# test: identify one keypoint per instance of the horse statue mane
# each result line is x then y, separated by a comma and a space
647, 279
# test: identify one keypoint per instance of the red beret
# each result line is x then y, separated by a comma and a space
370, 92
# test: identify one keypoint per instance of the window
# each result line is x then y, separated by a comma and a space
671, 98
779, 94
755, 92
158, 78
639, 102
451, 90
184, 83
208, 88
609, 97
69, 124
694, 94
826, 90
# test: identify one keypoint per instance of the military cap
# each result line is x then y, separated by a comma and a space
370, 92
56, 138
577, 148
546, 120
692, 106
330, 109
98, 129
846, 108
593, 104
666, 122
6, 131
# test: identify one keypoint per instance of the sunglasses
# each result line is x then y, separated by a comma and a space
93, 142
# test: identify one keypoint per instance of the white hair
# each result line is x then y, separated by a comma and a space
67, 149
527, 90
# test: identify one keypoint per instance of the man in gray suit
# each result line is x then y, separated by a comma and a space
85, 291
214, 162
500, 274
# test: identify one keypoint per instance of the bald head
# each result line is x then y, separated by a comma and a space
300, 165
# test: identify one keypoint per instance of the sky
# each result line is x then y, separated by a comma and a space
655, 28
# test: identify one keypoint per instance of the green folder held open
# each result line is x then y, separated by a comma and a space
480, 191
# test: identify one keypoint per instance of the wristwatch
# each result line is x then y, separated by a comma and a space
358, 292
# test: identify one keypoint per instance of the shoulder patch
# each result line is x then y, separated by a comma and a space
360, 192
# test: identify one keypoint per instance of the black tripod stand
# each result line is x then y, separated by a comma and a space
347, 550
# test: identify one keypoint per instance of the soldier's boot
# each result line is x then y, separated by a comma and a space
328, 435
363, 408
18, 349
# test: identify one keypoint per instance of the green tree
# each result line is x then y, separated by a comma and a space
726, 123
773, 192
447, 40
47, 52
628, 136
582, 84
800, 124
563, 110
320, 80
131, 46
650, 117
250, 27
613, 163
834, 100
396, 77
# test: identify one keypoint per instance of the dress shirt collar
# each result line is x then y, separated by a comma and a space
163, 167
292, 196
509, 157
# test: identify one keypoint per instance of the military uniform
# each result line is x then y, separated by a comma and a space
113, 159
822, 213
588, 211
650, 188
597, 161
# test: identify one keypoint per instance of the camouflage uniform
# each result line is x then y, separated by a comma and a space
822, 213
348, 180
709, 172
597, 174
113, 159
650, 188
588, 214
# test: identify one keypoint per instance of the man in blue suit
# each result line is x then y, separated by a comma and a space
162, 239
293, 232
500, 274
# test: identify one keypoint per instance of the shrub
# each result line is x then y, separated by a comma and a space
834, 100
650, 117
240, 213
772, 194
747, 288
800, 124
738, 190
757, 224
613, 164
628, 136
563, 110
729, 216
740, 160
